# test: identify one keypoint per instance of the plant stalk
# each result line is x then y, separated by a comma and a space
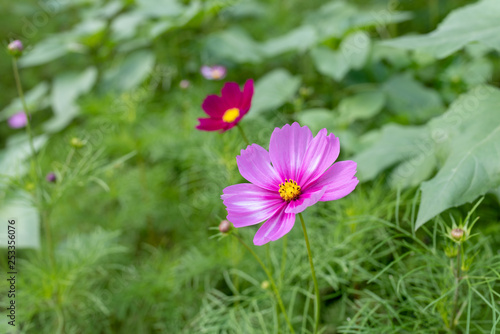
313, 273
270, 277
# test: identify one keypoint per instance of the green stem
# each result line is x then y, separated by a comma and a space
458, 278
270, 277
315, 281
34, 163
243, 134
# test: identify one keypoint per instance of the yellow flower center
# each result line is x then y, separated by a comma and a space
230, 115
217, 74
289, 190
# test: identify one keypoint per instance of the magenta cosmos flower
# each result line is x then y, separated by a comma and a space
18, 120
216, 72
297, 172
227, 110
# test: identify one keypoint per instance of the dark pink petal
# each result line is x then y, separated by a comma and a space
255, 166
339, 181
232, 95
305, 200
274, 228
210, 124
246, 101
287, 149
248, 204
214, 106
321, 154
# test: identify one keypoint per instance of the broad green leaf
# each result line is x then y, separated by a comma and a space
396, 144
50, 49
273, 90
330, 63
352, 54
65, 91
21, 210
477, 22
13, 157
472, 166
412, 172
361, 106
35, 99
299, 39
234, 45
317, 119
408, 97
130, 72
355, 49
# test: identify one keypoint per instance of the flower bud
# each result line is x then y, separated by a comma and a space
457, 234
51, 177
184, 84
15, 48
264, 285
18, 120
76, 143
224, 226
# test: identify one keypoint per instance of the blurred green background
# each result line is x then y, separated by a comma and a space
133, 215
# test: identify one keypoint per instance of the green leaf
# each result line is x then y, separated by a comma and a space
234, 45
361, 106
396, 144
352, 54
355, 49
477, 22
13, 156
471, 129
20, 208
329, 63
317, 119
35, 99
130, 72
408, 97
273, 90
50, 49
65, 91
299, 39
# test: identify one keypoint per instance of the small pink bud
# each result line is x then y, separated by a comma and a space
18, 120
15, 48
224, 226
51, 177
184, 84
457, 234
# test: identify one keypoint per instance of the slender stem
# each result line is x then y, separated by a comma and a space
242, 133
458, 274
270, 277
283, 261
315, 281
34, 163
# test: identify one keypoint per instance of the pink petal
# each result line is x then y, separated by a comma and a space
305, 200
232, 95
339, 181
246, 101
274, 228
210, 124
321, 153
255, 166
214, 106
287, 149
206, 71
248, 204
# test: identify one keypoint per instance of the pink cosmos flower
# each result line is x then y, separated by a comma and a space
18, 120
297, 172
216, 72
227, 110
